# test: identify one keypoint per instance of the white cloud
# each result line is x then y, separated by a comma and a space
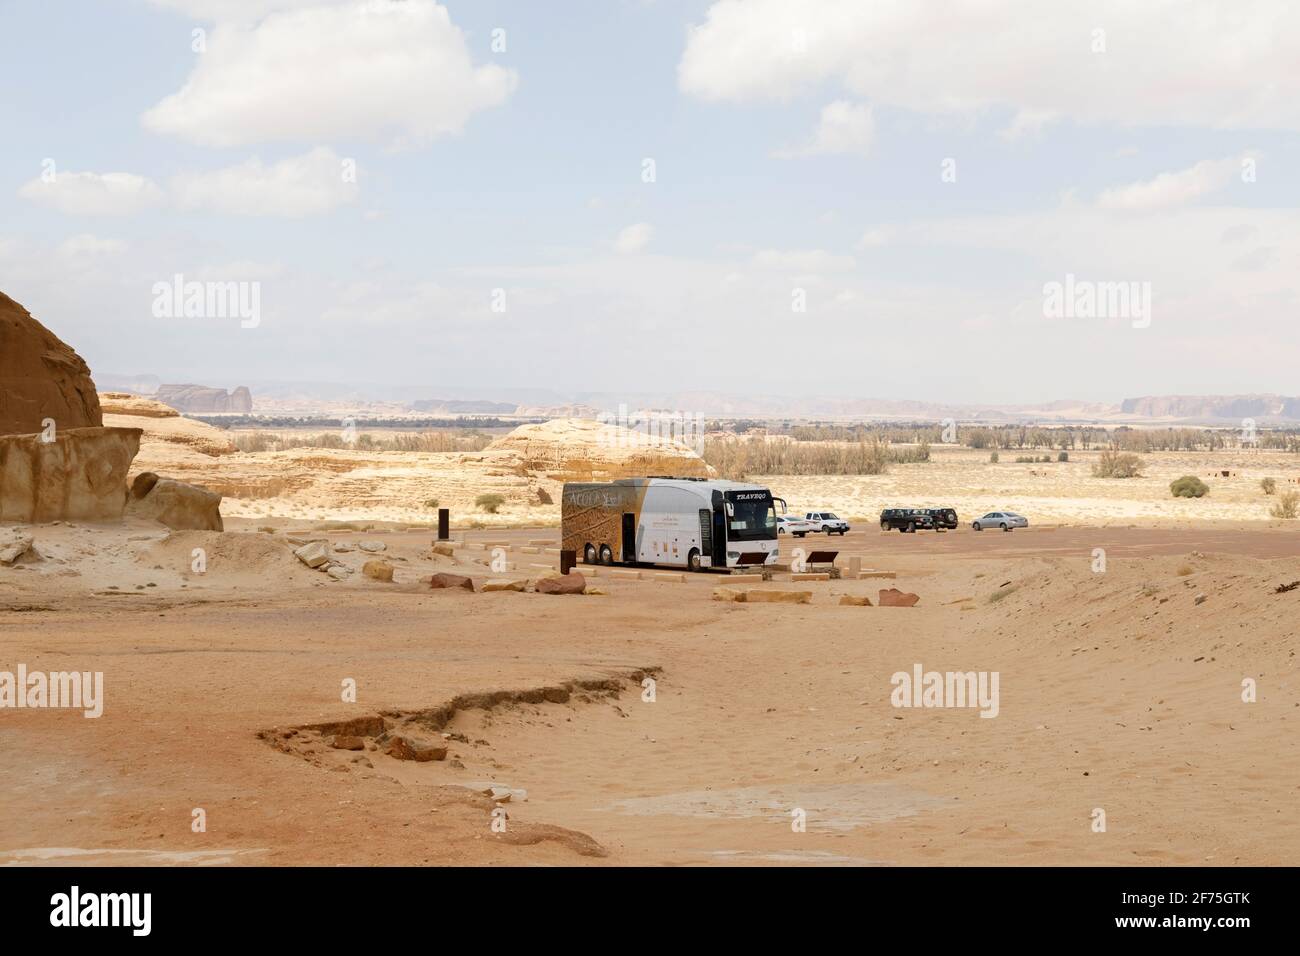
241, 10
94, 194
1172, 189
1196, 63
86, 244
844, 127
379, 70
634, 238
803, 261
298, 186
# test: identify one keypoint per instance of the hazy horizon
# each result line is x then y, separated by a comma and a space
817, 199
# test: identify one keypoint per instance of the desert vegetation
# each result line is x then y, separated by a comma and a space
1287, 507
490, 503
1188, 486
738, 458
1117, 464
425, 441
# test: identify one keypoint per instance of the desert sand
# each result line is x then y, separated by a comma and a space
1119, 690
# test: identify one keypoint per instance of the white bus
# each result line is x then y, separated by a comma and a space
693, 523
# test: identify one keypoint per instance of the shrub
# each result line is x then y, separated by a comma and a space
1063, 456
1288, 506
997, 596
1114, 464
431, 503
544, 497
993, 458
489, 503
1189, 486
1269, 485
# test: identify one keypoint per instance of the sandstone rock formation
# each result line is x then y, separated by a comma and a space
80, 476
40, 377
166, 434
577, 449
204, 399
175, 504
571, 583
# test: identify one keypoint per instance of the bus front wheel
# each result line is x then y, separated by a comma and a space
693, 559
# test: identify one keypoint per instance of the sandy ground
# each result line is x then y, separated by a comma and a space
1118, 691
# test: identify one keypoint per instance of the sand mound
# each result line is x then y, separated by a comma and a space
40, 377
574, 448
254, 555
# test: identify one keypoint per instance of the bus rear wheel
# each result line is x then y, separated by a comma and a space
693, 559
589, 554
606, 554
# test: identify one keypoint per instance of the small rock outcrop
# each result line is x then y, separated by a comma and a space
80, 476
175, 504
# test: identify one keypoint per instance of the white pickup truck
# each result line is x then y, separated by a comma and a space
828, 522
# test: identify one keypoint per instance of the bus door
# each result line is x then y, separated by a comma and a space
629, 538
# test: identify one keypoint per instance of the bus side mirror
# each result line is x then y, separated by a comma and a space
731, 510
783, 505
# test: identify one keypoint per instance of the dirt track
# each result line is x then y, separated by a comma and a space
1118, 692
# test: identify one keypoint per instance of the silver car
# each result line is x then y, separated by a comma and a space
1006, 520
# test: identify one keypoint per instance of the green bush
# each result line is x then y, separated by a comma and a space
1063, 456
1189, 486
1269, 485
490, 503
993, 458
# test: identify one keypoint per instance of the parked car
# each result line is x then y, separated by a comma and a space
1006, 520
828, 522
945, 519
793, 524
907, 520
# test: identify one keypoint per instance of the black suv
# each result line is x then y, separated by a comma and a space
906, 520
945, 519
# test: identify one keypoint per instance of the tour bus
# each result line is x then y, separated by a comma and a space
695, 523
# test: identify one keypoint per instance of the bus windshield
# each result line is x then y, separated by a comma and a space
753, 516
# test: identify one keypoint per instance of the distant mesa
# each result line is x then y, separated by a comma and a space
41, 377
202, 399
580, 449
1200, 407
437, 406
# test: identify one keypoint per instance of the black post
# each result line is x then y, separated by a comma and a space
444, 524
567, 560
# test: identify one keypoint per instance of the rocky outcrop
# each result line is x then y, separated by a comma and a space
175, 504
124, 403
1200, 407
573, 449
166, 432
80, 476
40, 377
204, 399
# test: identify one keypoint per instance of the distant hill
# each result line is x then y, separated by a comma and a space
1210, 407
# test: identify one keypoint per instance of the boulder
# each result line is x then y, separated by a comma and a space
80, 476
337, 571
892, 597
404, 748
313, 554
571, 583
778, 597
854, 601
347, 742
378, 570
445, 580
444, 548
504, 586
41, 377
179, 506
374, 547
729, 594
12, 552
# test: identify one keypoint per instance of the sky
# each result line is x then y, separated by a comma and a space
839, 198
